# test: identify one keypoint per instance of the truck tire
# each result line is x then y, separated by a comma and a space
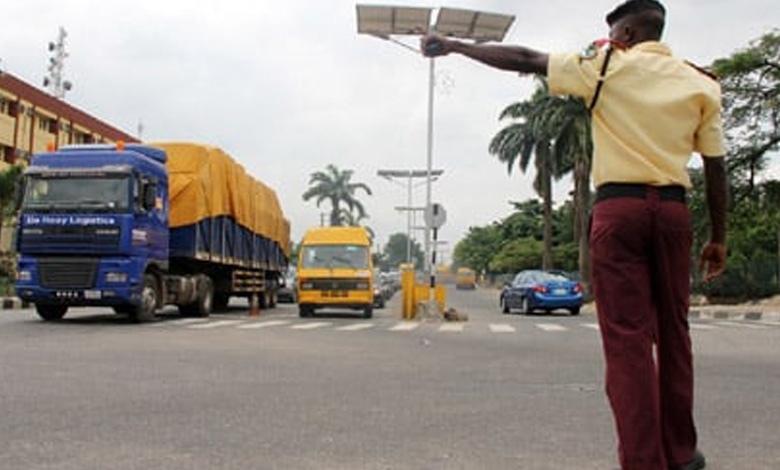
144, 312
205, 302
51, 312
368, 312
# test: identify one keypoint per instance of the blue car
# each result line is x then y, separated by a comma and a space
541, 290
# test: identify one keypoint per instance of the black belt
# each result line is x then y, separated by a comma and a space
639, 191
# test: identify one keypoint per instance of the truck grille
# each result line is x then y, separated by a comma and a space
67, 273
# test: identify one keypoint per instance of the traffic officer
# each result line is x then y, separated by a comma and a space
650, 112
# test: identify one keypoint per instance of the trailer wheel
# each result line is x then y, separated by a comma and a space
51, 312
144, 312
204, 303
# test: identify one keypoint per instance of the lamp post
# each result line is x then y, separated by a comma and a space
409, 175
384, 22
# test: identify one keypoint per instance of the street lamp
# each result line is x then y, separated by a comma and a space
385, 22
409, 175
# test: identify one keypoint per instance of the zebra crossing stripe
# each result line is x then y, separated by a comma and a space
751, 326
700, 326
356, 327
405, 326
264, 324
452, 327
215, 324
311, 326
501, 328
550, 327
184, 322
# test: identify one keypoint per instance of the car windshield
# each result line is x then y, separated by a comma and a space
77, 194
335, 256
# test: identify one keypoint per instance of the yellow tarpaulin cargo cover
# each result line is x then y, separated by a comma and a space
205, 182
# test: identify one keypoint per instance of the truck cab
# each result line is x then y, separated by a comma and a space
93, 224
335, 270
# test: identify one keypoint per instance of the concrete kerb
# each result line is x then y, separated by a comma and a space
723, 312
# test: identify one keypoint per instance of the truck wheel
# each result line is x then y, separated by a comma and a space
305, 311
368, 312
204, 303
144, 312
51, 312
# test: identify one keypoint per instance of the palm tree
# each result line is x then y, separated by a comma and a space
334, 186
529, 137
555, 131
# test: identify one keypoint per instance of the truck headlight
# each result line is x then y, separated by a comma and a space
116, 277
24, 276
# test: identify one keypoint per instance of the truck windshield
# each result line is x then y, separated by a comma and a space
81, 194
335, 256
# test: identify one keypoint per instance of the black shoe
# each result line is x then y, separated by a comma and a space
696, 463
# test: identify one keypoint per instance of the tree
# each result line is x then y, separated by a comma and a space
335, 186
396, 250
10, 178
555, 131
750, 81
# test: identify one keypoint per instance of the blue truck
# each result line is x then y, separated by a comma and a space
137, 227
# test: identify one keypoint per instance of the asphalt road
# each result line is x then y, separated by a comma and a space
339, 392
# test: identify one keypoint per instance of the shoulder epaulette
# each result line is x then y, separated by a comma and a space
703, 71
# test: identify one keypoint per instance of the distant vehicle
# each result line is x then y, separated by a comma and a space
288, 291
335, 270
465, 278
541, 290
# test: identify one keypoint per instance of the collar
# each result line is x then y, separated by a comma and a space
652, 47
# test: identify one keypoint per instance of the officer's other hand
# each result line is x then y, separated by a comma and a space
712, 261
433, 45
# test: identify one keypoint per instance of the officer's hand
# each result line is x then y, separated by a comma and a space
433, 45
712, 261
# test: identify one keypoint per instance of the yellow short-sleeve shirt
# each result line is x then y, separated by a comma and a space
653, 112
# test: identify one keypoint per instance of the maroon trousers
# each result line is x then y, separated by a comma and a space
641, 257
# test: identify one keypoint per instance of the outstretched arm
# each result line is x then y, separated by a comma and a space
511, 58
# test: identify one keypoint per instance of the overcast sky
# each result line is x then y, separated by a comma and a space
288, 86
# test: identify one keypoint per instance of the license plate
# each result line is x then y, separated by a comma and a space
92, 294
334, 293
560, 291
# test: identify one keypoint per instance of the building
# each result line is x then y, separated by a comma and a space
32, 120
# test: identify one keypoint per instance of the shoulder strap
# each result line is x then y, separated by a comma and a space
601, 80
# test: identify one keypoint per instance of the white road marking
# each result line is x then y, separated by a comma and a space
501, 328
452, 327
183, 322
264, 324
215, 324
701, 326
551, 327
742, 325
356, 327
311, 326
405, 326
592, 326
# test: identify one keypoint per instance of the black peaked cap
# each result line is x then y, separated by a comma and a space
634, 6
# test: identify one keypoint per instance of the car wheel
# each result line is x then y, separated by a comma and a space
526, 308
504, 307
574, 310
